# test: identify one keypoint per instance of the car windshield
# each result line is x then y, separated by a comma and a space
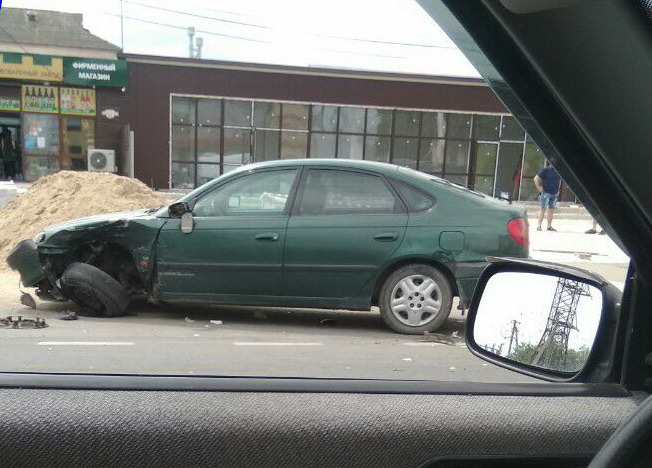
192, 189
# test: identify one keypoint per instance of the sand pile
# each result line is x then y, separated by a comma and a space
68, 195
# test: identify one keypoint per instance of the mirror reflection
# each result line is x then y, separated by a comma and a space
541, 320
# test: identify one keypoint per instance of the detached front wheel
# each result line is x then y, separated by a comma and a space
415, 299
94, 290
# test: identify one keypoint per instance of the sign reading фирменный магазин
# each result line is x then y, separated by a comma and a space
86, 71
72, 70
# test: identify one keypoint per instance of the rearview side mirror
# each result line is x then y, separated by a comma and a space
544, 320
178, 209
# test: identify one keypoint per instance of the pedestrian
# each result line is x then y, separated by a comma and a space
8, 153
594, 228
548, 183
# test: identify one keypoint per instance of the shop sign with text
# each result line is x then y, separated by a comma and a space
9, 104
31, 67
85, 71
77, 101
40, 99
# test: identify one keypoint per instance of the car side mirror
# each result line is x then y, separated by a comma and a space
544, 320
178, 209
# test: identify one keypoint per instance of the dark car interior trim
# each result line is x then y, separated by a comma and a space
291, 384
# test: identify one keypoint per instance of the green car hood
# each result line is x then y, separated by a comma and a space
97, 221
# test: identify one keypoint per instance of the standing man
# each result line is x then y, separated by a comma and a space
548, 183
8, 153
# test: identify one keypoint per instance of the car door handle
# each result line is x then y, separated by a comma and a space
386, 236
267, 236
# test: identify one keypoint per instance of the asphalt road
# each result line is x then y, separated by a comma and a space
182, 340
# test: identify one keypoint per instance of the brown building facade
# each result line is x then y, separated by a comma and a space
196, 119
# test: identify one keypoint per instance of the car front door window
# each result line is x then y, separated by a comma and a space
258, 194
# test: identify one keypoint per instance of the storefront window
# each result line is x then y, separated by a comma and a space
183, 144
458, 126
267, 115
350, 146
41, 134
511, 129
431, 156
377, 148
209, 112
39, 166
457, 157
267, 145
533, 162
183, 175
407, 123
295, 117
322, 145
351, 120
406, 151
433, 124
237, 113
183, 111
485, 167
486, 127
208, 144
217, 135
324, 118
509, 170
379, 121
294, 144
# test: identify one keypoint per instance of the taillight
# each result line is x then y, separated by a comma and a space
517, 228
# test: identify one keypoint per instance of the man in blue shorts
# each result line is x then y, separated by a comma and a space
548, 183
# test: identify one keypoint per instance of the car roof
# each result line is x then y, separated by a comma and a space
381, 167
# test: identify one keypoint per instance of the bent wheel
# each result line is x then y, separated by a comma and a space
94, 290
415, 299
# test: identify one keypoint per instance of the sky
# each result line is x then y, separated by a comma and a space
379, 35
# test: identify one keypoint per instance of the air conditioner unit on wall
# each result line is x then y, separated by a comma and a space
101, 160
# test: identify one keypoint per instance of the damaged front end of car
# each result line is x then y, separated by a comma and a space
101, 262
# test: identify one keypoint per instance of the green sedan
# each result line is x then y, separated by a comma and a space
302, 233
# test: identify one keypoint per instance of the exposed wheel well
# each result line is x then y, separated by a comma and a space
114, 260
412, 261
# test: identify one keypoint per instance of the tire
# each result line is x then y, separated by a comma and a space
94, 290
424, 309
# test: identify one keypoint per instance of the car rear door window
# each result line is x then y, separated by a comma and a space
253, 194
415, 199
343, 192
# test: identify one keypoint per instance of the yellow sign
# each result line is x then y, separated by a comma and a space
77, 101
40, 99
22, 67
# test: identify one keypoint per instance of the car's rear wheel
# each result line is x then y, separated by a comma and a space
415, 299
94, 290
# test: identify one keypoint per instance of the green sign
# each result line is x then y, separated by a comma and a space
9, 104
85, 71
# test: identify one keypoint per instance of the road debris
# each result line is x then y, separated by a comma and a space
19, 322
438, 338
217, 322
328, 321
68, 315
408, 359
26, 299
189, 320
